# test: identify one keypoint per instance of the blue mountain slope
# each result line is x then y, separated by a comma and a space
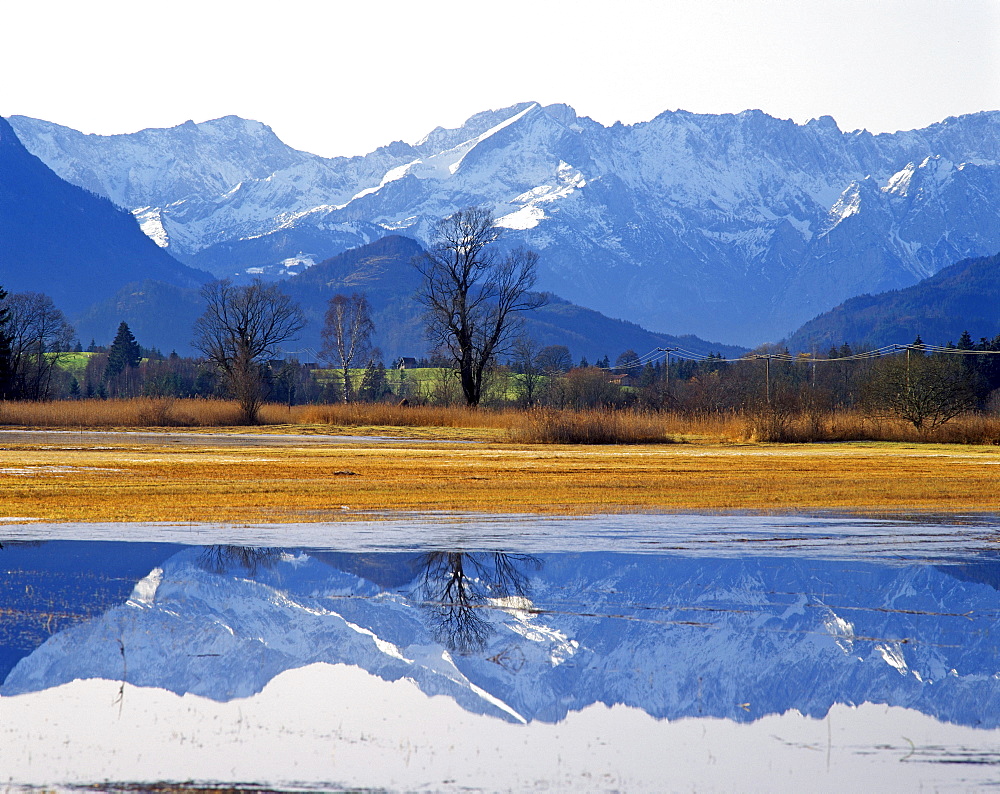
961, 297
73, 245
384, 271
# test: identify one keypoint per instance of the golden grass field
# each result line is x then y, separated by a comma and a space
73, 479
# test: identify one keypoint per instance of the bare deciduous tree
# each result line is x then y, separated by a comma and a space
925, 391
474, 292
222, 559
38, 334
554, 359
6, 340
240, 329
525, 360
347, 341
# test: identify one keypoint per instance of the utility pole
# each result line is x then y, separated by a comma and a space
767, 379
668, 351
767, 374
907, 348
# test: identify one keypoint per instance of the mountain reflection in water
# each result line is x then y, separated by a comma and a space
515, 637
521, 637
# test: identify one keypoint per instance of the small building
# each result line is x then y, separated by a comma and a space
406, 362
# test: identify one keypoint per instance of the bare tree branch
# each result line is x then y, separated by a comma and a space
38, 334
473, 293
240, 329
347, 333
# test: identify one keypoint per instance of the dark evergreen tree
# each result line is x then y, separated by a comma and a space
124, 353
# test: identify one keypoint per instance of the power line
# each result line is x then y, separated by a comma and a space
664, 353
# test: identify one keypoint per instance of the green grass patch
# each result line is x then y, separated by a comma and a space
73, 363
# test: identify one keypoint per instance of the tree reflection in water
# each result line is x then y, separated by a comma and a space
457, 585
223, 559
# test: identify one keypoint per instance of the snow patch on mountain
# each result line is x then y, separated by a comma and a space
151, 222
847, 205
893, 656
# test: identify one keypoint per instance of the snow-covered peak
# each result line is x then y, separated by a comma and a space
825, 122
227, 125
847, 205
567, 180
932, 173
443, 164
440, 139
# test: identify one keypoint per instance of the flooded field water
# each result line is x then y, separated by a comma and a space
632, 652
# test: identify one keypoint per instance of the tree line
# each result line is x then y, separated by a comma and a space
474, 293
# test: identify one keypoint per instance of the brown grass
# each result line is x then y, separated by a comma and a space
858, 426
137, 412
391, 415
167, 412
534, 426
131, 481
547, 426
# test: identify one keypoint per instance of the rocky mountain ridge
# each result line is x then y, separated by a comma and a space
734, 227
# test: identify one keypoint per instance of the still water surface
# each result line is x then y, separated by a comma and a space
609, 653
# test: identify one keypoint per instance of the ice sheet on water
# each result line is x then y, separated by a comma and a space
826, 536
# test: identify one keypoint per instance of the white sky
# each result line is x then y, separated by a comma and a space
335, 77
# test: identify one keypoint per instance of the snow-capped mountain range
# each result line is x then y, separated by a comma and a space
733, 227
673, 635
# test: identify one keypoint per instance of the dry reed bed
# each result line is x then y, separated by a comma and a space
137, 412
544, 426
971, 428
590, 427
392, 415
165, 412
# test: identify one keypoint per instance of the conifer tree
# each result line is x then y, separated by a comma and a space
124, 353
